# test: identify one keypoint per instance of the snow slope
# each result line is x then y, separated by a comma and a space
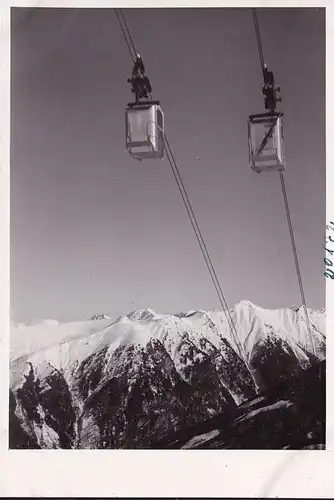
62, 344
194, 361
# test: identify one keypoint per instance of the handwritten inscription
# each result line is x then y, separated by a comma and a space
329, 273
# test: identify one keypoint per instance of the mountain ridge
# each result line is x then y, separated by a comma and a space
124, 382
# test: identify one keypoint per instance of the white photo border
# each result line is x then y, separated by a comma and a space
123, 473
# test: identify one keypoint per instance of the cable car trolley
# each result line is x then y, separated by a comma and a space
144, 118
266, 142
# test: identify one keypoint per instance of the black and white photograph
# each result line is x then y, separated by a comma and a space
169, 242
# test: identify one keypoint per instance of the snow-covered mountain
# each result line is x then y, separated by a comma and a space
105, 383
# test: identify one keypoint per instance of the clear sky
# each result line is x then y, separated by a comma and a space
94, 230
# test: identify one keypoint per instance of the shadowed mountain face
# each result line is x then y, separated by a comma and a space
290, 415
146, 378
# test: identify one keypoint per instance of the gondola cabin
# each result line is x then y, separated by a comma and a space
266, 142
145, 130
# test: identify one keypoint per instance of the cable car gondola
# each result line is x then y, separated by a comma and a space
265, 131
144, 130
144, 118
266, 146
